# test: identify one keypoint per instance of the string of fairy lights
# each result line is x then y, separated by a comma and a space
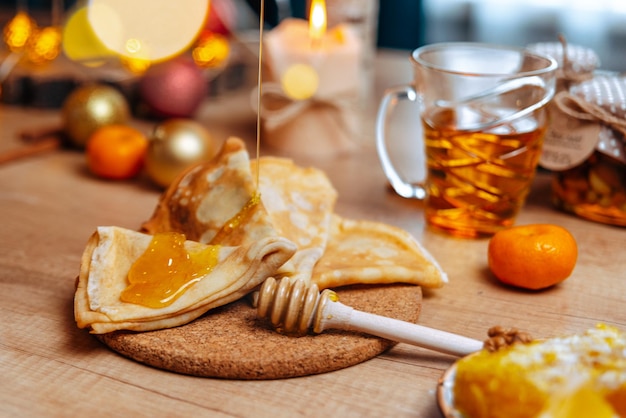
169, 52
38, 45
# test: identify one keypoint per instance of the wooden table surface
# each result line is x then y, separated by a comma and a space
49, 205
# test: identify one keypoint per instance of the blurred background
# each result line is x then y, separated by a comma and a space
406, 24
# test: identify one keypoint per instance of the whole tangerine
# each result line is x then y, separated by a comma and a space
116, 152
533, 256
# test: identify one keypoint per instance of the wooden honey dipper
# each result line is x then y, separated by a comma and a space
293, 307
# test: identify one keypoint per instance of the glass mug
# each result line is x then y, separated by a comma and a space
483, 115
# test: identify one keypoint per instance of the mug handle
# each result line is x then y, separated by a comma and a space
389, 101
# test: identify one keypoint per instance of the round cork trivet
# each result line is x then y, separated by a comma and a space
232, 342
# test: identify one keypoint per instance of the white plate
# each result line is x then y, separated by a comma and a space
445, 394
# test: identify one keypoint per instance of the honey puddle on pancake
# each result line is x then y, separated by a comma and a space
166, 270
239, 219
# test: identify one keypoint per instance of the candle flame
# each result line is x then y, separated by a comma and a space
317, 20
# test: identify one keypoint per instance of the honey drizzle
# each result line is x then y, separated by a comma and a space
166, 270
237, 220
259, 92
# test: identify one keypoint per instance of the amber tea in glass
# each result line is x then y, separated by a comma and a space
483, 113
478, 181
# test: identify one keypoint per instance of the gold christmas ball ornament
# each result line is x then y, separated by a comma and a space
175, 145
90, 107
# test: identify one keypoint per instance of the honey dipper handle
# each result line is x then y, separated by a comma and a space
333, 314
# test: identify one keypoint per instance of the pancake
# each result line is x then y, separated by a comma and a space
295, 203
110, 253
205, 197
300, 203
365, 252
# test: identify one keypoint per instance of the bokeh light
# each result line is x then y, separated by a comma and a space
151, 30
211, 50
300, 81
44, 45
136, 66
80, 43
18, 30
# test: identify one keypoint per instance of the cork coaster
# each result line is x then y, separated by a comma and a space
231, 342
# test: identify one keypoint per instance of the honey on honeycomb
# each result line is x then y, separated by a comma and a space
538, 378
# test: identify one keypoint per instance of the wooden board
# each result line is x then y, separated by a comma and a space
232, 342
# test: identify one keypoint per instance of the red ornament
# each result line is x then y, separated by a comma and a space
173, 88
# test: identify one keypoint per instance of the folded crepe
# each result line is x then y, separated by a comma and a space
295, 203
205, 199
110, 253
300, 203
366, 252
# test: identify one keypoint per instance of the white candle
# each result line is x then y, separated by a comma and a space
313, 86
334, 56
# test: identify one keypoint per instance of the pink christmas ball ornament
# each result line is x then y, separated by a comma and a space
173, 88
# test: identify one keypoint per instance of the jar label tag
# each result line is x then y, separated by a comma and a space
568, 141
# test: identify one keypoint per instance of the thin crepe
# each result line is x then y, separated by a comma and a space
110, 253
367, 252
296, 203
300, 203
207, 196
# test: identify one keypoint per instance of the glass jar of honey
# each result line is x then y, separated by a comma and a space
595, 189
586, 149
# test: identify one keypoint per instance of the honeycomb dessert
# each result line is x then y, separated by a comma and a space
580, 375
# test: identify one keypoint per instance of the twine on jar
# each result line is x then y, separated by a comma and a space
579, 108
320, 125
567, 69
279, 109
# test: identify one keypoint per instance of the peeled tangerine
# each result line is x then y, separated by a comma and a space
578, 376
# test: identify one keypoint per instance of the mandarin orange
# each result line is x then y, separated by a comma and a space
533, 256
116, 152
